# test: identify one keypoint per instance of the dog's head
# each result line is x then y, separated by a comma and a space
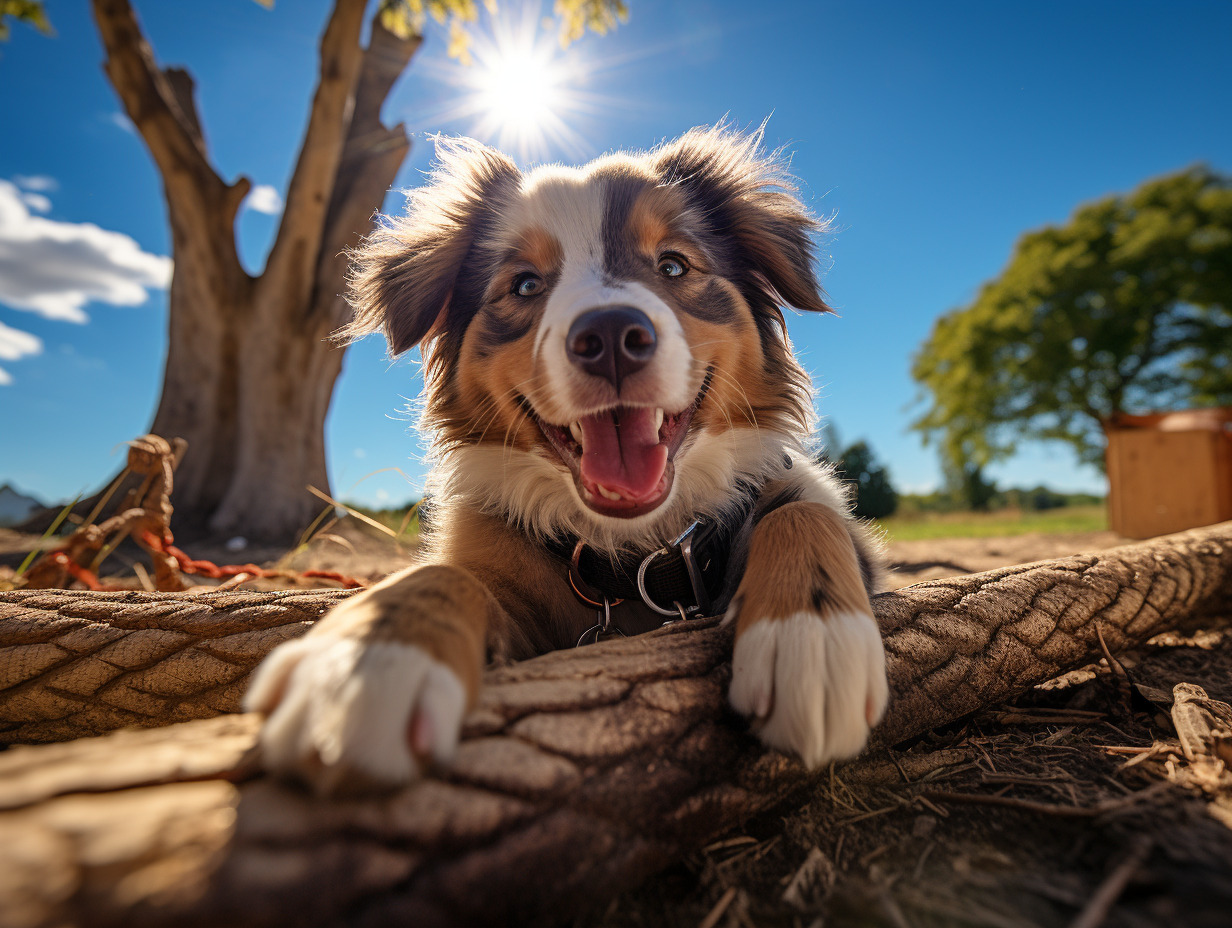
604, 346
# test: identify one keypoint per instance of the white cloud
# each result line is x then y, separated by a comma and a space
37, 202
15, 345
40, 183
264, 199
55, 268
121, 121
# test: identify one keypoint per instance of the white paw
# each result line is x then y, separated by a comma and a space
813, 686
345, 715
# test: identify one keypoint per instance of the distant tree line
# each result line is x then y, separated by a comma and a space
1026, 499
968, 489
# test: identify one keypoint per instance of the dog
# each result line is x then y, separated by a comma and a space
619, 440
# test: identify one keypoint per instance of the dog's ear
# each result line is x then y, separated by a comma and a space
745, 193
403, 274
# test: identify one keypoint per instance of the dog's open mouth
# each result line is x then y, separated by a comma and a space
622, 458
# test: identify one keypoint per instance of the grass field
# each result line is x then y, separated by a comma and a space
915, 527
928, 525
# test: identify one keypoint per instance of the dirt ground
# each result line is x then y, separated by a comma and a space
916, 561
1075, 805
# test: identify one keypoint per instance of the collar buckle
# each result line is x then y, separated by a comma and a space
683, 545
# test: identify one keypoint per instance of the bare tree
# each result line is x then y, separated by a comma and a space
250, 370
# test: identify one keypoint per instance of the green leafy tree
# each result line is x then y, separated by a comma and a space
876, 497
1128, 306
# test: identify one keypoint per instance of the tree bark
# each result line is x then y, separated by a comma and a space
580, 772
250, 369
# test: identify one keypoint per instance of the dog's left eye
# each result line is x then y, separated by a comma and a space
672, 266
528, 284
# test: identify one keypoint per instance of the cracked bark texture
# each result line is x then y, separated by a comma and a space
580, 773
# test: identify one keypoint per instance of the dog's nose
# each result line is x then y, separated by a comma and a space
611, 342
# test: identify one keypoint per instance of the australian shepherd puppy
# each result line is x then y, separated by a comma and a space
619, 439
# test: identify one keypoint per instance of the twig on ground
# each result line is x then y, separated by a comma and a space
1097, 910
720, 907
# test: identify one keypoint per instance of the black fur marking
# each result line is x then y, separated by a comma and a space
620, 258
767, 504
497, 330
525, 406
869, 572
714, 305
823, 601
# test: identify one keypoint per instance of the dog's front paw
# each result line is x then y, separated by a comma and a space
812, 685
346, 715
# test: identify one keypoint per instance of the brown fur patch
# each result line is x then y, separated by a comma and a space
540, 249
650, 223
539, 611
442, 609
801, 558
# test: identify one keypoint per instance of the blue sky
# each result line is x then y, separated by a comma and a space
934, 133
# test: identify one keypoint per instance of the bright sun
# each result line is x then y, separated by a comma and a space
522, 91
520, 88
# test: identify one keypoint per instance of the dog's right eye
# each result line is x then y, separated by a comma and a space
527, 285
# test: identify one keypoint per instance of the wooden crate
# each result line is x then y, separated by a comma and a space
1169, 471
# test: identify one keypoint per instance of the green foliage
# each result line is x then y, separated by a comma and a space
876, 497
972, 488
30, 12
1128, 306
409, 18
406, 18
599, 16
1017, 499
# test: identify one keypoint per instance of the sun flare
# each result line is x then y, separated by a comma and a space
520, 88
523, 93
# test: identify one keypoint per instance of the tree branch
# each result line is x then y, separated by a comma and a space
293, 257
159, 104
580, 772
184, 89
202, 206
370, 161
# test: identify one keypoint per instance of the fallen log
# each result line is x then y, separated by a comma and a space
581, 772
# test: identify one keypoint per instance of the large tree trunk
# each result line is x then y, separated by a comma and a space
580, 772
250, 370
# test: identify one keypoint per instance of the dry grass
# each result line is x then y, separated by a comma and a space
1073, 806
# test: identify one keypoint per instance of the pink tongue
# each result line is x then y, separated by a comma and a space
625, 457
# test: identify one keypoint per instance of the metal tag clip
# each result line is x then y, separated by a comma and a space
603, 627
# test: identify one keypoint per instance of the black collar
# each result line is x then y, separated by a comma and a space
684, 579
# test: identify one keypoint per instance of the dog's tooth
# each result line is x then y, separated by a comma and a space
606, 493
575, 429
658, 418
